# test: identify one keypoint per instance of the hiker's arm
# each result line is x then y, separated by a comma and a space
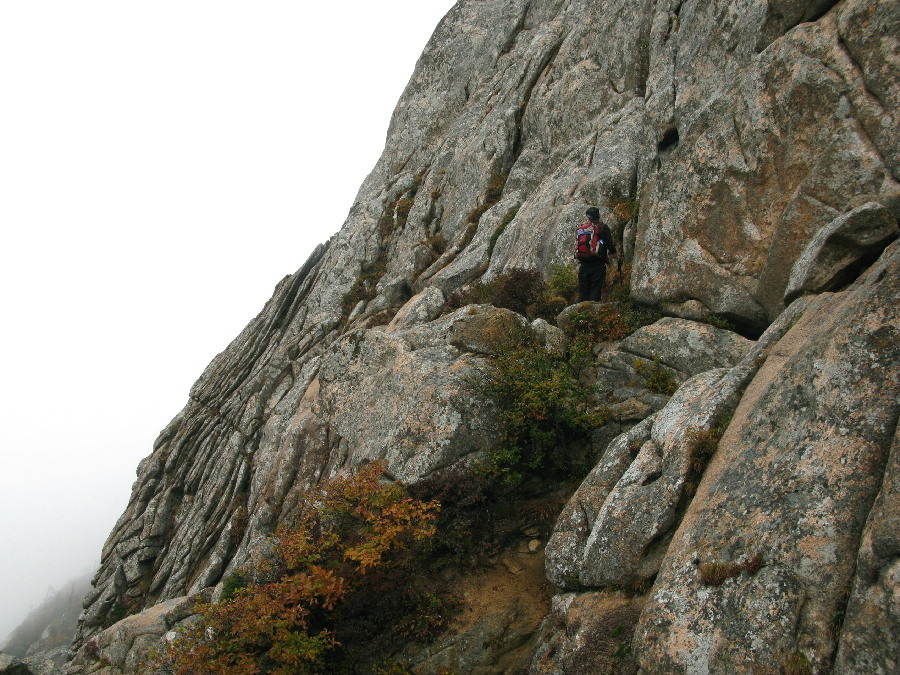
611, 249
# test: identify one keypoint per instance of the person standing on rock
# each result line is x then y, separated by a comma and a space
593, 245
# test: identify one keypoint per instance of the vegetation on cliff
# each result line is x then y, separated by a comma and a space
353, 538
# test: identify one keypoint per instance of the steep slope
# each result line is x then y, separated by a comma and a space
721, 138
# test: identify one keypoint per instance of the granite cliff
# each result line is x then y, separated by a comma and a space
746, 154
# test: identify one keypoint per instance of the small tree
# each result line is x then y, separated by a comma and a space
343, 531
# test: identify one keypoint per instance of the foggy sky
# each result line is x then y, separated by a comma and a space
162, 166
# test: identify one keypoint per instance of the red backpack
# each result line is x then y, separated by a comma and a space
588, 244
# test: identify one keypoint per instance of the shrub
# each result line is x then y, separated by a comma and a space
463, 522
657, 378
343, 536
720, 322
700, 449
517, 290
436, 246
563, 282
541, 403
716, 574
797, 664
597, 323
365, 286
116, 613
547, 307
233, 583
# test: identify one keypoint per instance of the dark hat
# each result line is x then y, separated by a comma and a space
593, 213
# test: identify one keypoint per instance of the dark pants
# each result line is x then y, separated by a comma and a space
591, 275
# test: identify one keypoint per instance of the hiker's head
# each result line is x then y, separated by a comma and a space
593, 214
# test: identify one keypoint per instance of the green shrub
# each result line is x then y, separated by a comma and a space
657, 378
719, 322
563, 282
233, 583
541, 403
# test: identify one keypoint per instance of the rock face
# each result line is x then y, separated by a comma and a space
745, 153
792, 485
10, 665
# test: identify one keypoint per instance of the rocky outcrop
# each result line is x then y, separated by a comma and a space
10, 665
616, 527
747, 185
791, 485
839, 250
745, 153
868, 641
138, 643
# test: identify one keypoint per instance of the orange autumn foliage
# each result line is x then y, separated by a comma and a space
343, 530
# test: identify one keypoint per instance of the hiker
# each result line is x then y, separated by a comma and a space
593, 243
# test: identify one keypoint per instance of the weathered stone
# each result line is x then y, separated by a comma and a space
553, 339
690, 309
565, 548
727, 214
413, 409
616, 527
127, 646
840, 250
10, 665
869, 642
686, 346
793, 483
486, 330
587, 633
421, 308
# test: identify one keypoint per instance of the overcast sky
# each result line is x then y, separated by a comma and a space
162, 166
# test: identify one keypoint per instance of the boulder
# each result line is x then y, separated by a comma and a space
10, 665
414, 409
421, 308
758, 573
687, 346
587, 633
841, 249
